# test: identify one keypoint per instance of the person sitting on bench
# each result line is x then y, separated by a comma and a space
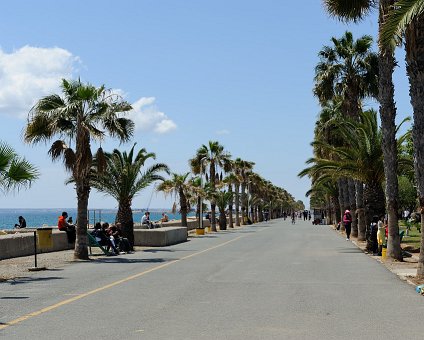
102, 238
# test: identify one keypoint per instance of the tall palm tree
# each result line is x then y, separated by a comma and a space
242, 168
123, 179
354, 11
83, 113
212, 156
361, 158
180, 185
346, 74
231, 180
407, 19
15, 172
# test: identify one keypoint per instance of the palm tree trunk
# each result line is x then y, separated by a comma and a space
230, 208
81, 175
336, 209
352, 201
213, 203
243, 203
374, 206
184, 208
360, 211
81, 244
414, 45
125, 217
341, 201
237, 202
222, 220
386, 64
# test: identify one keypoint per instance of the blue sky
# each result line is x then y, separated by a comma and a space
240, 72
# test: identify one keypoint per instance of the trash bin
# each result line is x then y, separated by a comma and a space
383, 252
44, 238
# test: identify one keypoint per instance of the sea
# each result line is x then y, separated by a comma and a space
36, 218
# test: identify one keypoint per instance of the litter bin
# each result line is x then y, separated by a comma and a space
384, 252
44, 238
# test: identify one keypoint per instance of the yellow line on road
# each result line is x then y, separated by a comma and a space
113, 284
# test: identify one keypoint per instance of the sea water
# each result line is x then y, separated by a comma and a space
39, 217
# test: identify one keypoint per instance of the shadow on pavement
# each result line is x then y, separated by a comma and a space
27, 279
117, 259
14, 297
350, 251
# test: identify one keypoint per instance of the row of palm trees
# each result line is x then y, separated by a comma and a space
348, 73
83, 114
228, 183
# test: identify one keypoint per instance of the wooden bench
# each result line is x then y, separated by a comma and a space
92, 242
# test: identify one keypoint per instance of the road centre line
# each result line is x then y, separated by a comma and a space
113, 284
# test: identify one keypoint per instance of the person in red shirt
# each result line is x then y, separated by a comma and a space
65, 226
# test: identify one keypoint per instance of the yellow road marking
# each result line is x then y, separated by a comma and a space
113, 284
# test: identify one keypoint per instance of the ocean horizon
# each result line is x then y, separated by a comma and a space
36, 218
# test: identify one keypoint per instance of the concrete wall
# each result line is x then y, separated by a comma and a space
191, 224
22, 244
160, 237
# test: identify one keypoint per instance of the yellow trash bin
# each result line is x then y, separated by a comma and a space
383, 253
44, 238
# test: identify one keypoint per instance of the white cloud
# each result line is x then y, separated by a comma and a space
30, 73
223, 132
147, 117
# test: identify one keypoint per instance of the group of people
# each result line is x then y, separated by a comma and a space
376, 232
147, 223
110, 236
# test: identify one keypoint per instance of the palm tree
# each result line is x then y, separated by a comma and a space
231, 180
242, 168
83, 112
213, 156
347, 73
180, 185
354, 11
222, 199
15, 172
407, 19
123, 179
361, 158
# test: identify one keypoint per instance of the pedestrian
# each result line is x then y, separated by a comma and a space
347, 221
293, 217
381, 235
373, 235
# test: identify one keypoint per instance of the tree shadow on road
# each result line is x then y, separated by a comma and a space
117, 259
350, 251
29, 279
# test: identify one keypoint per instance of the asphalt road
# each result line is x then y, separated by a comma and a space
268, 281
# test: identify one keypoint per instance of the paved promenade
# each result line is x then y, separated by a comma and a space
272, 280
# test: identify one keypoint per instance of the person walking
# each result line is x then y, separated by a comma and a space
347, 221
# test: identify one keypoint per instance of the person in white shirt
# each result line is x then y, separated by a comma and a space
145, 220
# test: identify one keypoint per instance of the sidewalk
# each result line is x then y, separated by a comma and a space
405, 270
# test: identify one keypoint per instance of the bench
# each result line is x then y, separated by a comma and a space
92, 242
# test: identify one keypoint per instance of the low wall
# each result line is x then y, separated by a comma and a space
160, 237
22, 244
191, 224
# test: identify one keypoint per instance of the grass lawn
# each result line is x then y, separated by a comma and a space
413, 240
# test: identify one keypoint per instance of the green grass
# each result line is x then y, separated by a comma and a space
414, 238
